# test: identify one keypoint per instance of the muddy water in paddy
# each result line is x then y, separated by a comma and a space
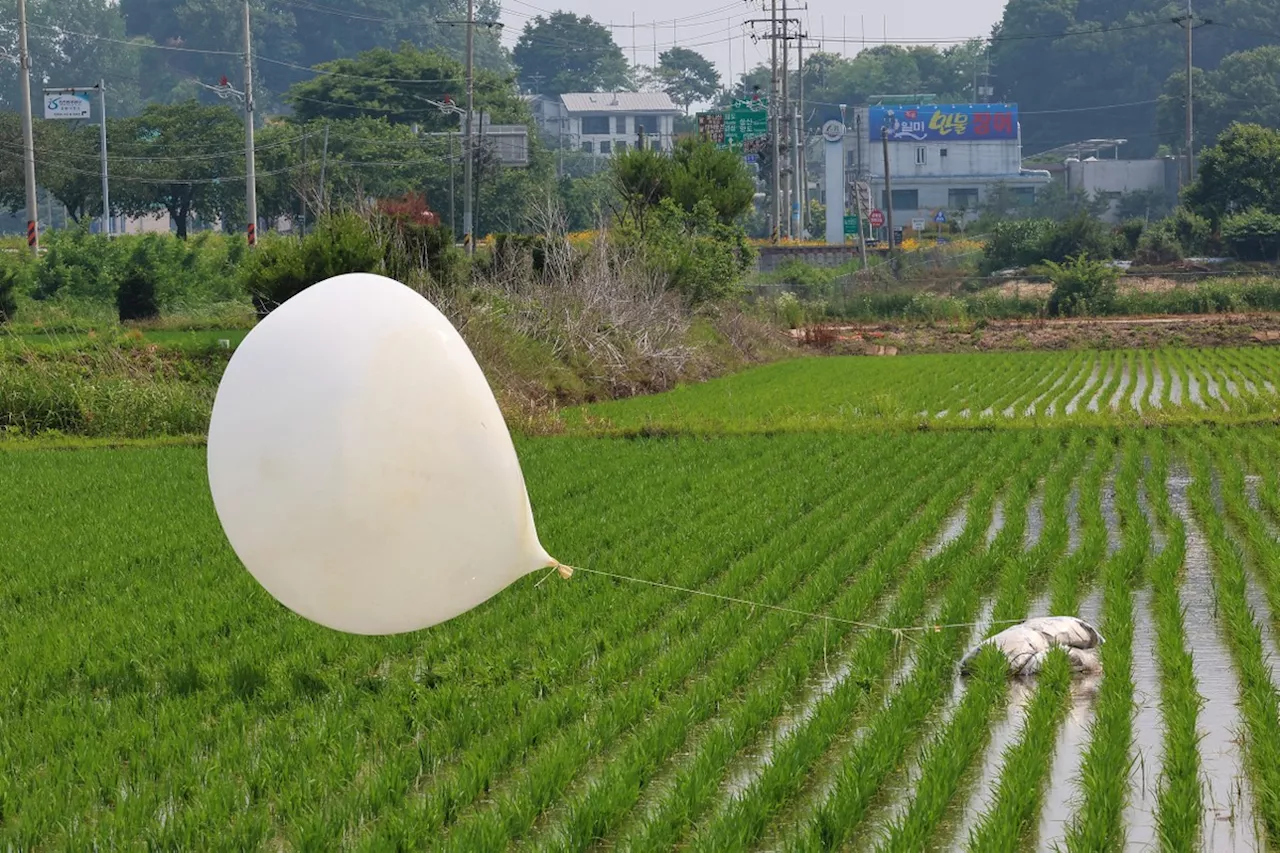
1157, 387
1111, 515
1121, 388
1175, 387
1148, 732
1060, 798
1035, 522
1139, 389
1095, 401
1075, 401
951, 532
1193, 388
1229, 824
997, 522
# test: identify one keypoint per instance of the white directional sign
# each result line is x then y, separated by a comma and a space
67, 106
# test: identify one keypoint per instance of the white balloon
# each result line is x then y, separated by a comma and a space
360, 465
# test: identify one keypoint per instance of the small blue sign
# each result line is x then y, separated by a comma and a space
940, 218
752, 158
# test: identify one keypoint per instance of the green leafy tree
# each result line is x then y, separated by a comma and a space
1081, 286
1252, 235
400, 86
72, 43
687, 76
1240, 172
185, 158
562, 52
703, 173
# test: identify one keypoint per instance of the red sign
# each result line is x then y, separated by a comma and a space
877, 219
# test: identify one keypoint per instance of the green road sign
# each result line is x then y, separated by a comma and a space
741, 125
850, 224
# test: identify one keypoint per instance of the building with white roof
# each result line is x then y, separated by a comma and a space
604, 123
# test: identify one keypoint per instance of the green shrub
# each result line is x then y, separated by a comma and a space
282, 267
136, 296
1081, 235
1158, 246
78, 264
1130, 232
812, 282
1082, 286
1192, 233
1253, 235
934, 308
699, 257
8, 293
1015, 243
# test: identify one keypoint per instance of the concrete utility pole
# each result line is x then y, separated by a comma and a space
787, 205
802, 161
250, 157
102, 143
28, 132
468, 150
776, 126
888, 191
1190, 23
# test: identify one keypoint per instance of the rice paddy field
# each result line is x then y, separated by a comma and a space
880, 516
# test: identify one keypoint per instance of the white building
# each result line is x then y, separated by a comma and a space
1111, 179
942, 158
604, 123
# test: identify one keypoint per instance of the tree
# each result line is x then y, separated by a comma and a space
72, 43
185, 158
1241, 172
292, 37
564, 53
67, 165
399, 86
687, 76
702, 172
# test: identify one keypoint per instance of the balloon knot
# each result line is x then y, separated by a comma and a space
566, 572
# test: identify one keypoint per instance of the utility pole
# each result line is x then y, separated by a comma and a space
787, 203
102, 143
802, 160
251, 170
468, 149
28, 133
468, 168
1190, 23
888, 191
776, 127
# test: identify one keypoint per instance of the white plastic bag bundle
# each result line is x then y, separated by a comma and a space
1027, 645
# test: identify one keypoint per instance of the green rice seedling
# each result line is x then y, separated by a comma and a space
513, 813
1098, 825
748, 813
1260, 703
888, 735
1179, 796
1012, 816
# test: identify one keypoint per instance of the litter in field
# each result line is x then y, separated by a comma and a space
1027, 645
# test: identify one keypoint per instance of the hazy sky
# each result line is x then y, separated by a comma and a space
717, 28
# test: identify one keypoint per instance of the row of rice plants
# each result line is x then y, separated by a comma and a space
1017, 396
558, 761
1260, 704
1251, 522
748, 814
887, 737
953, 752
1012, 816
1179, 795
742, 721
1098, 824
138, 618
676, 662
123, 540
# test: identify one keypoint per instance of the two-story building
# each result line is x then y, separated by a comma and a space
604, 123
942, 157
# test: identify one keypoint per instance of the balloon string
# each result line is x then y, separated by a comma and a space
898, 632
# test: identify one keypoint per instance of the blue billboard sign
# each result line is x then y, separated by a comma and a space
944, 122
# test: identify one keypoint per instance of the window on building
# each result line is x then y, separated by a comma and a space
922, 156
588, 147
1025, 196
595, 125
902, 199
962, 198
604, 146
649, 123
620, 146
620, 125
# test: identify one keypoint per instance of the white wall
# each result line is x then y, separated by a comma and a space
666, 130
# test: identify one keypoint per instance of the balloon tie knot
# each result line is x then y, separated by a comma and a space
566, 572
